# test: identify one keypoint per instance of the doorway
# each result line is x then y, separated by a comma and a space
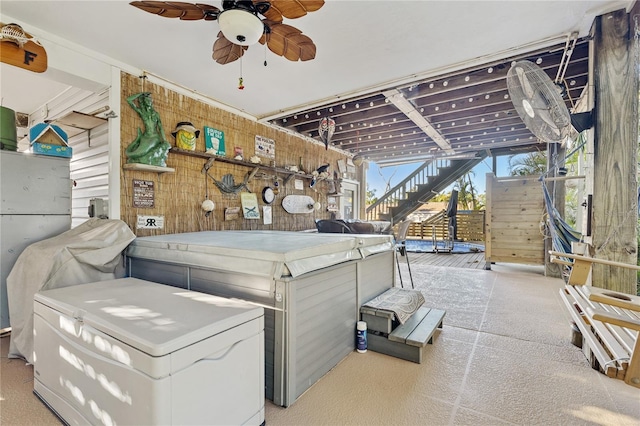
349, 204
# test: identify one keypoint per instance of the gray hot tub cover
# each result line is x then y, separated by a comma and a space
88, 253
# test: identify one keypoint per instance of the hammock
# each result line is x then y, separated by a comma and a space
562, 234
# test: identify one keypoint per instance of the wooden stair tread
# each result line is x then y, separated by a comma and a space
417, 331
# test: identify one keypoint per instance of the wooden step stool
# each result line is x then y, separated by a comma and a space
405, 341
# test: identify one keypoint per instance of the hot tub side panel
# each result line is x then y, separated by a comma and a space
376, 274
321, 323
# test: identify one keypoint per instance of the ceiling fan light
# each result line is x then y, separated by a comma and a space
240, 27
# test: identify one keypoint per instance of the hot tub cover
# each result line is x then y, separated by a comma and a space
273, 254
87, 253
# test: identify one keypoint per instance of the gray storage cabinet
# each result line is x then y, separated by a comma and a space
311, 286
35, 204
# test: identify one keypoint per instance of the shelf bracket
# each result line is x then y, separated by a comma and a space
208, 165
253, 173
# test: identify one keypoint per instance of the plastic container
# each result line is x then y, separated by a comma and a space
361, 337
8, 132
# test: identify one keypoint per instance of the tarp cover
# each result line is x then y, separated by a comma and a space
85, 254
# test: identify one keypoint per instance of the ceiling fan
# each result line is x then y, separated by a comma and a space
241, 25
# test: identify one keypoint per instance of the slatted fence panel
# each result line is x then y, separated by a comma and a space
515, 208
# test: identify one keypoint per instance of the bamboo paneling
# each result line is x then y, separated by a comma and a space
515, 209
178, 196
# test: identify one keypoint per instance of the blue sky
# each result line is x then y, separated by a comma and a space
398, 173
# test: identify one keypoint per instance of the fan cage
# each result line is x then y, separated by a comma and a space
530, 88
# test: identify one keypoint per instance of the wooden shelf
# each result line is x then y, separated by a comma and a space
148, 168
208, 156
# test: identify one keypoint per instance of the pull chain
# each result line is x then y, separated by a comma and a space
240, 82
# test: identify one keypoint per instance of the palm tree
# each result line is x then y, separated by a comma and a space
532, 163
466, 192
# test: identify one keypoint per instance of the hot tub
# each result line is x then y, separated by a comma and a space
311, 286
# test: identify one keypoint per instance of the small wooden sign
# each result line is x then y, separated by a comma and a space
30, 56
150, 222
231, 213
143, 196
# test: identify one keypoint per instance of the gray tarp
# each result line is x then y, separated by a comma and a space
87, 253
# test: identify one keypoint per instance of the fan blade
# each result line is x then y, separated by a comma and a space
285, 40
291, 9
224, 51
174, 9
524, 82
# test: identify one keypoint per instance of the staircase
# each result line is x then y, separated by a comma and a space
418, 188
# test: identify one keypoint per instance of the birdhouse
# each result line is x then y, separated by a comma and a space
49, 139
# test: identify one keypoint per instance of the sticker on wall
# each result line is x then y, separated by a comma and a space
266, 215
150, 222
298, 184
214, 141
143, 196
232, 213
249, 205
265, 147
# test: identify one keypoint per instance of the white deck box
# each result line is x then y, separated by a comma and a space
131, 352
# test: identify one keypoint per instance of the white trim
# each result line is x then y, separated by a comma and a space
114, 145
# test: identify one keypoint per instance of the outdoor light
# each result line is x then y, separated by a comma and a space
241, 27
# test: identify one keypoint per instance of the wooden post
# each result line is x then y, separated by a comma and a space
615, 204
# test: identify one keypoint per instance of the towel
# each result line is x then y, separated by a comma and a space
403, 303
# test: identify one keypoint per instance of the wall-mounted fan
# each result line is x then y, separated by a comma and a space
539, 104
241, 26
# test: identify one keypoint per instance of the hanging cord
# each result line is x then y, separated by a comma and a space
265, 54
555, 164
240, 80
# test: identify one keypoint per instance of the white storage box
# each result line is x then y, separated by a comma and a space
129, 351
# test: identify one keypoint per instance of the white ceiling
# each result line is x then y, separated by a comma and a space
360, 45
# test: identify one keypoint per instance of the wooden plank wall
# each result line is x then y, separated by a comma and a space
515, 209
615, 203
178, 195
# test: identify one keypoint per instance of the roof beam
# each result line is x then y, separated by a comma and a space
396, 98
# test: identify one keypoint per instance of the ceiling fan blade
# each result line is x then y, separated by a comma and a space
291, 9
224, 51
285, 40
175, 9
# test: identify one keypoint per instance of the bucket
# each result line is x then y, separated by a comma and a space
8, 135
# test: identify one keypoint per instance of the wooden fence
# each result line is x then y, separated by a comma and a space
470, 226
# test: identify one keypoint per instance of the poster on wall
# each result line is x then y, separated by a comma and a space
214, 141
266, 215
265, 147
249, 205
143, 194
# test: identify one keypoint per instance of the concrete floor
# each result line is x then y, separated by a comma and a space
504, 356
